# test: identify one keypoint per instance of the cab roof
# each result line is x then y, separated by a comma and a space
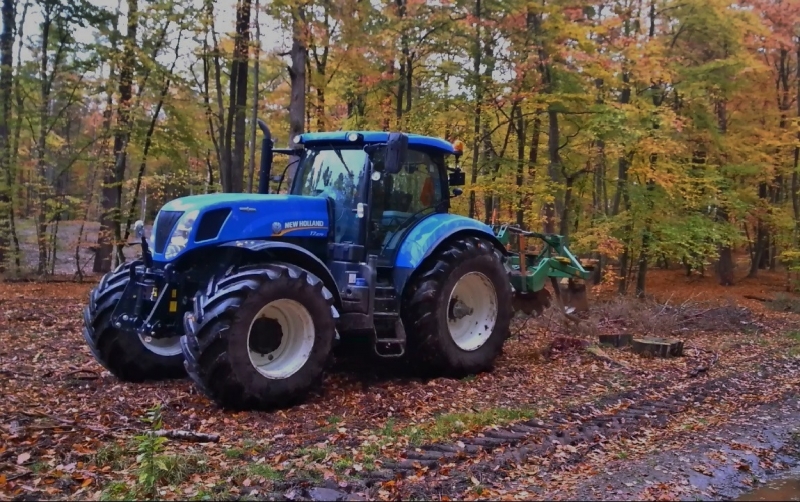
371, 137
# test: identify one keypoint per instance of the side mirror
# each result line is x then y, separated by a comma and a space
138, 229
457, 178
396, 152
457, 192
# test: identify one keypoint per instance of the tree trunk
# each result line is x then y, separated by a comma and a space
762, 236
6, 64
796, 165
476, 124
238, 106
297, 75
112, 181
520, 130
148, 139
553, 168
254, 116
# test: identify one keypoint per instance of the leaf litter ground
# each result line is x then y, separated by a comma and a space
549, 422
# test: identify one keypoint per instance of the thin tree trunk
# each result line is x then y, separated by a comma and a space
725, 265
112, 181
238, 88
19, 99
520, 130
6, 65
297, 75
553, 168
254, 116
476, 128
796, 165
148, 140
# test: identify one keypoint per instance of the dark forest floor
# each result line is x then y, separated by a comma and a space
550, 422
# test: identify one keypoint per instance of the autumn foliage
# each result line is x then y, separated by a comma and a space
657, 133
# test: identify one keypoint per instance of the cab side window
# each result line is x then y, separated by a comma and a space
416, 186
397, 197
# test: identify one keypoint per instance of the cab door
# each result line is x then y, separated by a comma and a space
400, 200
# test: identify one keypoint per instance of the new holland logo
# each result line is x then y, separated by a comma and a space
293, 226
304, 224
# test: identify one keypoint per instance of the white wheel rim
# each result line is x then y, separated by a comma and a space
296, 342
472, 311
165, 347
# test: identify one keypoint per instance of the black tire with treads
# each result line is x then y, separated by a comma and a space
216, 341
123, 354
425, 307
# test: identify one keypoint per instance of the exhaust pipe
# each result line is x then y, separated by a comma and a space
266, 159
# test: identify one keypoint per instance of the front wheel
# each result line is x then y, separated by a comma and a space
261, 338
459, 305
129, 357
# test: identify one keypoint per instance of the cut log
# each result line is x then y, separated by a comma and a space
198, 437
658, 347
617, 339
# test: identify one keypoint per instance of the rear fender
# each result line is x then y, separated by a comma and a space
430, 235
290, 253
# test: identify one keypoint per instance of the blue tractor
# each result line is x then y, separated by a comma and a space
247, 293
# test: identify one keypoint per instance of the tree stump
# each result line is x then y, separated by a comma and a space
617, 339
658, 347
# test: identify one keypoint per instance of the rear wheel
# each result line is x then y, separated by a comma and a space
261, 337
459, 307
127, 356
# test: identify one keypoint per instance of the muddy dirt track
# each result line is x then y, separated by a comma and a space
553, 421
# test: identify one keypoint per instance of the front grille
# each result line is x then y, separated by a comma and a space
211, 223
165, 222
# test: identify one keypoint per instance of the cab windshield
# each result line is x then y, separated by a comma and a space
337, 173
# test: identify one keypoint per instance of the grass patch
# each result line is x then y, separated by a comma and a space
315, 454
343, 464
308, 475
444, 426
794, 336
264, 471
180, 467
114, 455
234, 453
117, 490
452, 423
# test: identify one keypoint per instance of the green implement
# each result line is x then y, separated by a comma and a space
529, 272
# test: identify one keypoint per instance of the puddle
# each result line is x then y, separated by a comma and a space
778, 489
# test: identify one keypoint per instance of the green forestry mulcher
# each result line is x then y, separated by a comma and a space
249, 292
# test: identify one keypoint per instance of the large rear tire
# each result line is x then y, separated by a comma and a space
457, 309
126, 355
260, 337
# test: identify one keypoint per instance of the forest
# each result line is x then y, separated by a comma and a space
653, 133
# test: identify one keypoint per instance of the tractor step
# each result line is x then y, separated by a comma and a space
392, 347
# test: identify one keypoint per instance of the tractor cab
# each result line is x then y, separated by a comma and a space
374, 201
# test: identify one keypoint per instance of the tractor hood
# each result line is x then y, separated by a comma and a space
202, 220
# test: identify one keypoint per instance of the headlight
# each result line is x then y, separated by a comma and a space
180, 236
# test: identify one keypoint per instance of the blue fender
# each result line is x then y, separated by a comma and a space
296, 255
425, 238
